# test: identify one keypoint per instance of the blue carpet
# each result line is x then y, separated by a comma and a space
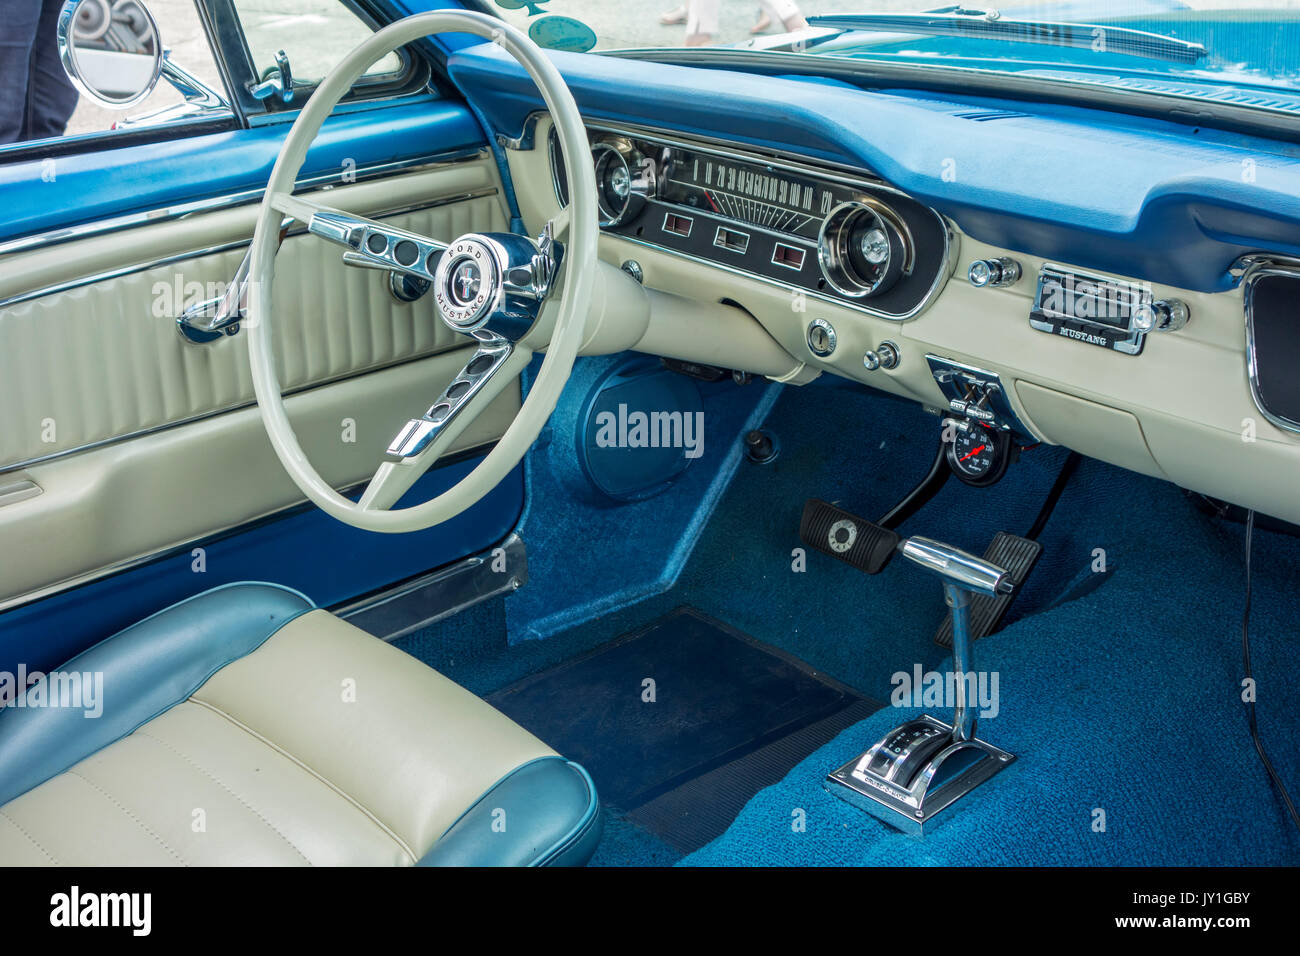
589, 555
1124, 700
1119, 687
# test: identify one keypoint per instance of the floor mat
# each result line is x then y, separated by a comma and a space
665, 718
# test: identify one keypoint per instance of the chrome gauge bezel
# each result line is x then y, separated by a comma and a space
617, 158
838, 260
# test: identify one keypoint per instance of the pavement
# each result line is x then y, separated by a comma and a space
316, 33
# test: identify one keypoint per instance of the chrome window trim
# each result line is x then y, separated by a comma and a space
225, 247
1251, 269
182, 210
833, 172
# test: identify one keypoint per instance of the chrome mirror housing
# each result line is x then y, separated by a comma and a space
111, 50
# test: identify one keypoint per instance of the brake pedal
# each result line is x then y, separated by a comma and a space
856, 541
1017, 556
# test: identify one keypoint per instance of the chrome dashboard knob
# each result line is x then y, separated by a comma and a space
1166, 315
993, 272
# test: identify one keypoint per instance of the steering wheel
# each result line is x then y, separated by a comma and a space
514, 295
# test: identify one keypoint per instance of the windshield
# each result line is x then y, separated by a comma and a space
1205, 48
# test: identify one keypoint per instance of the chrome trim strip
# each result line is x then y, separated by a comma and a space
149, 217
118, 273
226, 247
439, 594
833, 172
1254, 268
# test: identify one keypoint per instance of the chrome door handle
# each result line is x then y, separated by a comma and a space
209, 320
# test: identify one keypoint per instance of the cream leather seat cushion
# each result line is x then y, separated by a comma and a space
323, 745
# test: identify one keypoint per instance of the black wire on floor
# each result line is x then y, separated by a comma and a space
1250, 704
1053, 496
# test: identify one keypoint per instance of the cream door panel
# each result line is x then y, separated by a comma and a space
138, 442
104, 360
104, 508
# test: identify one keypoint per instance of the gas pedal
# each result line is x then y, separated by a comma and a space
856, 541
1018, 556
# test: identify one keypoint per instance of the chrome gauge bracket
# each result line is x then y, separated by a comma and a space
979, 395
419, 433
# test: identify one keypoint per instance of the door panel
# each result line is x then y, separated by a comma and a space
153, 441
105, 360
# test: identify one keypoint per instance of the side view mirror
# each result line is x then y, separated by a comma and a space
110, 50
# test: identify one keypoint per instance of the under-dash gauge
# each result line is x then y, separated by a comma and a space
768, 197
979, 454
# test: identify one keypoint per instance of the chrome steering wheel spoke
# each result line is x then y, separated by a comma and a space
422, 441
369, 244
419, 433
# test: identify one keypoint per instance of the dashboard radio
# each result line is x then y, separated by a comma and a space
1111, 313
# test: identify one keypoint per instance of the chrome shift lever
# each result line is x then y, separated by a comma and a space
958, 567
905, 777
963, 575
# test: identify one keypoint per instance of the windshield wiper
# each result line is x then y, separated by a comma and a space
960, 21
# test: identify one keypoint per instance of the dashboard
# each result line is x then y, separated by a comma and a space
834, 236
1012, 296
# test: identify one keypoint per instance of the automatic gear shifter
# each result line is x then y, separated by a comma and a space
924, 765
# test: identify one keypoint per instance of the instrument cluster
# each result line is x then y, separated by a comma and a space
829, 234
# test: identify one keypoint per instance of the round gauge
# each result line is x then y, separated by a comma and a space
979, 455
624, 179
861, 249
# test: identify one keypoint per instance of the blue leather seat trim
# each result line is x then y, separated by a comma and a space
552, 818
147, 669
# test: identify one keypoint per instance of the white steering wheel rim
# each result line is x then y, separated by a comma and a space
575, 285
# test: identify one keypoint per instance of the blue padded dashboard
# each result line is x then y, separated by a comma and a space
1143, 198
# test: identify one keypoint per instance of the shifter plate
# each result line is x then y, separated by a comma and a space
943, 778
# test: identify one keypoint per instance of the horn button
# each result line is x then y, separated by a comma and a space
466, 285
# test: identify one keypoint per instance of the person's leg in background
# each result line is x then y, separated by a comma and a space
787, 11
51, 97
702, 21
21, 20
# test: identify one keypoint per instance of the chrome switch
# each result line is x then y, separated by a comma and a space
993, 272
